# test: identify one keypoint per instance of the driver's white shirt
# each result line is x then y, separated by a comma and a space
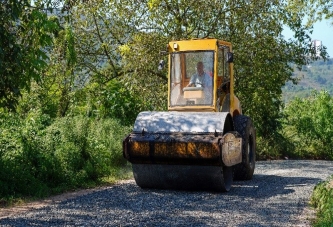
206, 82
201, 81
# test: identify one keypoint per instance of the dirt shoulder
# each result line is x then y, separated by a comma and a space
28, 206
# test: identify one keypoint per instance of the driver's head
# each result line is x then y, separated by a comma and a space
200, 68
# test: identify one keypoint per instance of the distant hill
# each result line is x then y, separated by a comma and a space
315, 76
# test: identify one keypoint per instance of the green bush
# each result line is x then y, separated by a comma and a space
12, 165
109, 100
39, 98
274, 146
39, 156
308, 126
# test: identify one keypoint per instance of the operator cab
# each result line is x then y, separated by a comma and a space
195, 75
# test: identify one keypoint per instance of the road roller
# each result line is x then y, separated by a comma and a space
203, 141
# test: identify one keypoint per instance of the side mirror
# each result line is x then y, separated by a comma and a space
230, 57
161, 65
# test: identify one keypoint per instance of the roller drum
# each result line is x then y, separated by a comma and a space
183, 177
179, 150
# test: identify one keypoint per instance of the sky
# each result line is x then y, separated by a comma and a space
322, 31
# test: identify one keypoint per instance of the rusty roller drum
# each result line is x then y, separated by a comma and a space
181, 150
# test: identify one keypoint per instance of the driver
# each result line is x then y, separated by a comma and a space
200, 79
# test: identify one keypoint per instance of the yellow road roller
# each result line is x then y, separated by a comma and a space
203, 142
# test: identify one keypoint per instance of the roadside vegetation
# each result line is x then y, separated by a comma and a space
322, 201
41, 156
71, 85
308, 126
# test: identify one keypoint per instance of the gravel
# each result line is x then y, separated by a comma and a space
278, 195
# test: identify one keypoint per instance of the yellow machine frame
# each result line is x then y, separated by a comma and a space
205, 44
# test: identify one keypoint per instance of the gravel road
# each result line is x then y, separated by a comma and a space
278, 195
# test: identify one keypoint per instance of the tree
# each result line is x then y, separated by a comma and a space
262, 56
100, 36
316, 9
25, 34
123, 41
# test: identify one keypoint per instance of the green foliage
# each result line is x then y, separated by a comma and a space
41, 98
16, 177
130, 42
39, 156
55, 93
322, 201
113, 100
307, 124
25, 33
275, 146
60, 77
98, 38
146, 80
316, 9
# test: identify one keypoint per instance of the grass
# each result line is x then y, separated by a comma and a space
117, 174
322, 201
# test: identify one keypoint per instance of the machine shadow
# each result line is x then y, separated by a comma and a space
267, 186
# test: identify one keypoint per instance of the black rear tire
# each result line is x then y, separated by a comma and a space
245, 169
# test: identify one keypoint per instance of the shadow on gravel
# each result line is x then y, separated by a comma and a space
265, 186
